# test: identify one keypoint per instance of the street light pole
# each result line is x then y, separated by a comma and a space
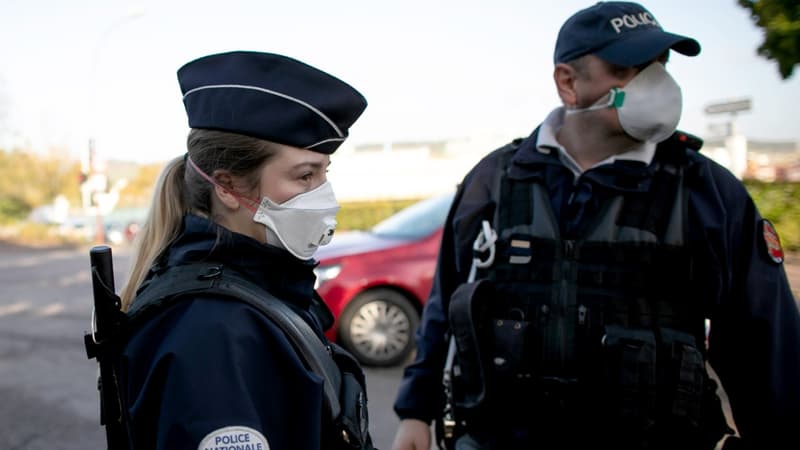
96, 175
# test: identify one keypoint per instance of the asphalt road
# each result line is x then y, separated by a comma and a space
48, 393
48, 397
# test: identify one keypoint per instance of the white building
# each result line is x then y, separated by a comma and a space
419, 169
405, 170
756, 159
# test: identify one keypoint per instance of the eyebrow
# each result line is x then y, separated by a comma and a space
311, 164
662, 58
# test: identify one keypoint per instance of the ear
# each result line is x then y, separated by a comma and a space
565, 77
223, 189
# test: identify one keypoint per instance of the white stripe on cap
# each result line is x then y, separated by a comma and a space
324, 142
267, 91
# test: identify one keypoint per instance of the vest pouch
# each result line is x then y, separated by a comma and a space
511, 356
519, 318
683, 374
352, 425
691, 410
468, 304
630, 382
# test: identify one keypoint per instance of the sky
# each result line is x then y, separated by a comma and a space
450, 69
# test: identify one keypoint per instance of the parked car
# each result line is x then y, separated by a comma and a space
119, 226
122, 224
376, 282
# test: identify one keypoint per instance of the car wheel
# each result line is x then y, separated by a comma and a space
378, 327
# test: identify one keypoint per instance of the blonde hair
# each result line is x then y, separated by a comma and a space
179, 191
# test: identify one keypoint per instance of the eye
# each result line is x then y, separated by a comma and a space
621, 72
308, 176
663, 59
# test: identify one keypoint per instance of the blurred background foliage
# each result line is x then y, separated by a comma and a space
780, 22
365, 214
139, 190
29, 180
780, 203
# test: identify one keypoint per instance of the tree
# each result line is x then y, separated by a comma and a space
28, 180
139, 190
780, 20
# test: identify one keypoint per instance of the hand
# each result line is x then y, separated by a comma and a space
412, 434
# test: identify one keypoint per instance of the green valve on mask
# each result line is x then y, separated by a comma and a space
617, 98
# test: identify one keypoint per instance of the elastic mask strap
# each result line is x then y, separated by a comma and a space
616, 98
214, 182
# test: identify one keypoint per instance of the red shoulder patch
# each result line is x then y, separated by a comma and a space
772, 243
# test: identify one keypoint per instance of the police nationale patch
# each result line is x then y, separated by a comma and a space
772, 243
234, 438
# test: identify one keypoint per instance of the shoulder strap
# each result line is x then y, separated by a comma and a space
654, 209
504, 188
210, 279
514, 203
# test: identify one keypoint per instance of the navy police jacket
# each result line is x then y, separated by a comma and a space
754, 343
214, 374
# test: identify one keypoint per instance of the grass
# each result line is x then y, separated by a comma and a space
30, 234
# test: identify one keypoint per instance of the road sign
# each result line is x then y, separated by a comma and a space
731, 106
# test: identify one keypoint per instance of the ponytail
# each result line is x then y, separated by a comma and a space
161, 227
179, 192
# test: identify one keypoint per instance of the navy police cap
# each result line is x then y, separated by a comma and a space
621, 33
270, 97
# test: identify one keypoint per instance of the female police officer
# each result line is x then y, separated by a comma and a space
241, 213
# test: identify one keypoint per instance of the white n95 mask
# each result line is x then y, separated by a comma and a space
649, 106
303, 223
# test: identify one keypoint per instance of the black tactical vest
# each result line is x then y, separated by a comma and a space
594, 340
345, 425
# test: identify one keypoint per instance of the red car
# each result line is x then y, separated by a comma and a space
376, 282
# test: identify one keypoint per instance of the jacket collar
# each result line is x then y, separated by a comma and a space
272, 268
535, 160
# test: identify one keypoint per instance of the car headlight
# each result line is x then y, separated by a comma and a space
325, 273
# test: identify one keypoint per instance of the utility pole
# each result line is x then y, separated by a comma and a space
735, 144
97, 181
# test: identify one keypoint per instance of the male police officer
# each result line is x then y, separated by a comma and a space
599, 246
